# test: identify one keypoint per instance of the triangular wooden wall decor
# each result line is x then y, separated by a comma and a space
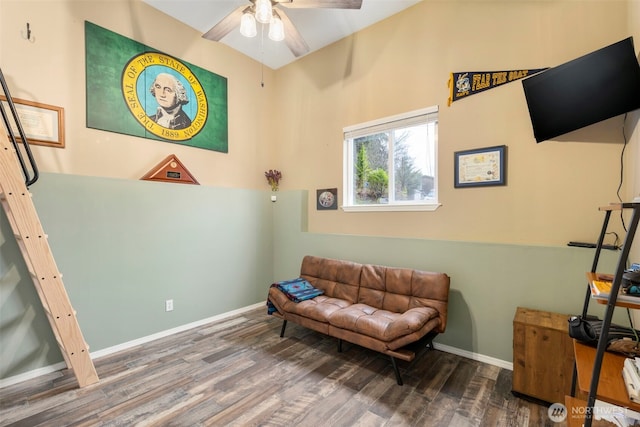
170, 170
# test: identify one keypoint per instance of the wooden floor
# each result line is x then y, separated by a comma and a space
240, 372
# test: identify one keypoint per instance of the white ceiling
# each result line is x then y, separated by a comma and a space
319, 27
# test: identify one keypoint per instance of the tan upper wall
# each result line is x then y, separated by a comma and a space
295, 122
403, 63
51, 70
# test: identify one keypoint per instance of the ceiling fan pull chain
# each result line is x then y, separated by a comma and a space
261, 55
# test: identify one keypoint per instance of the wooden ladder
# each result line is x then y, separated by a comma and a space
33, 243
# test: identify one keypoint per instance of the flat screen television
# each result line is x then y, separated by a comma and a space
584, 91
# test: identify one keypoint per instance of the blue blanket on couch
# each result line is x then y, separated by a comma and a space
296, 290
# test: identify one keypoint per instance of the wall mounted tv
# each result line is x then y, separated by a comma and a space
587, 90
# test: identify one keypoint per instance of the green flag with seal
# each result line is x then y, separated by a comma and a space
136, 90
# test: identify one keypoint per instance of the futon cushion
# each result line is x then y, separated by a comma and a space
338, 279
381, 324
318, 308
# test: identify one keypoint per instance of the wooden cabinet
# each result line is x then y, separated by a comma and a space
542, 355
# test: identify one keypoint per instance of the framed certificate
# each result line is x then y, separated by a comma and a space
43, 124
481, 167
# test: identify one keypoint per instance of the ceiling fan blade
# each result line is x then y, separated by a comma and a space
225, 26
329, 4
292, 37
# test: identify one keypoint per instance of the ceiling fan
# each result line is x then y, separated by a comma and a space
280, 26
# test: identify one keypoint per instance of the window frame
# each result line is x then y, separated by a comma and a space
424, 115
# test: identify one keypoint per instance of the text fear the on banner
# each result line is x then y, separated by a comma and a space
467, 83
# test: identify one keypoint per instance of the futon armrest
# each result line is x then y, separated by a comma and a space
410, 321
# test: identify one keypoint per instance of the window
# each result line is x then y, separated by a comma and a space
390, 164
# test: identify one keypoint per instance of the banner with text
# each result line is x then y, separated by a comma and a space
467, 83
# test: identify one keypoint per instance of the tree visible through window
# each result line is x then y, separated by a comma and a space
392, 161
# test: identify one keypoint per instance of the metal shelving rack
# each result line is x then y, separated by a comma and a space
594, 364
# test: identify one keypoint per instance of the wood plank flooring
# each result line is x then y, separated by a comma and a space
239, 372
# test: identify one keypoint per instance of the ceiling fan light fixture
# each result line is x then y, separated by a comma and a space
276, 29
248, 25
264, 11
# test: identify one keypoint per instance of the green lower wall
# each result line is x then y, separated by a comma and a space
488, 281
124, 247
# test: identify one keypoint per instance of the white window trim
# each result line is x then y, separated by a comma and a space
366, 128
428, 207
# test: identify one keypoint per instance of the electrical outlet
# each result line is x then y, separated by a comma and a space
168, 305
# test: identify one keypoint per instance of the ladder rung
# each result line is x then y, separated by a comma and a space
3, 194
61, 344
39, 278
19, 236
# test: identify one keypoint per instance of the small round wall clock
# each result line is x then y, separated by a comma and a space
327, 199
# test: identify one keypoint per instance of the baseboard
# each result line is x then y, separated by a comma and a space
124, 346
5, 382
474, 356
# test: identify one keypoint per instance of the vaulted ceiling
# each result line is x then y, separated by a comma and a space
319, 27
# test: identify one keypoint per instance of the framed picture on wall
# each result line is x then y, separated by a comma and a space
327, 199
480, 167
43, 124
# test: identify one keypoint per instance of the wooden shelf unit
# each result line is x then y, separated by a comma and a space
611, 388
626, 301
599, 373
